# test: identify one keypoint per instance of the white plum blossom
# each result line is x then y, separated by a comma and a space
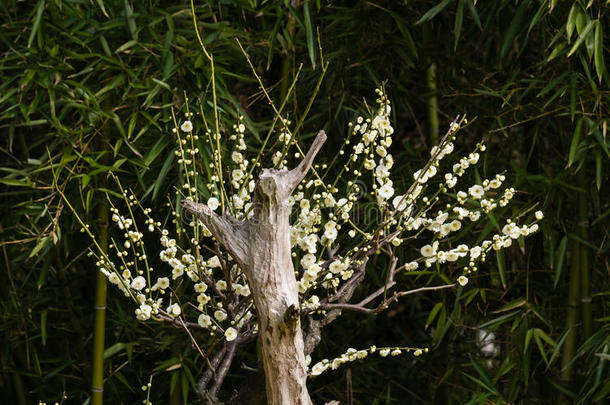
230, 334
204, 321
214, 262
187, 126
337, 267
213, 203
429, 250
476, 191
143, 312
386, 191
220, 315
138, 283
174, 310
318, 368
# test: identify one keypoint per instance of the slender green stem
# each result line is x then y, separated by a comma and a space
433, 125
569, 349
99, 326
287, 59
585, 270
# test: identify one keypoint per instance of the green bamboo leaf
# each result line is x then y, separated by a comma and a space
492, 217
575, 141
598, 53
161, 176
126, 45
479, 400
598, 169
543, 335
433, 313
584, 63
151, 95
501, 266
15, 182
480, 371
43, 326
119, 376
274, 34
440, 326
36, 360
131, 22
519, 302
571, 21
42, 242
499, 320
162, 84
474, 14
457, 26
516, 25
114, 349
168, 365
556, 51
400, 23
541, 10
100, 3
561, 255
590, 43
311, 50
558, 347
115, 83
556, 82
573, 89
37, 19
580, 19
132, 124
603, 356
540, 347
582, 37
105, 46
583, 241
184, 385
601, 140
528, 338
42, 276
430, 14
155, 150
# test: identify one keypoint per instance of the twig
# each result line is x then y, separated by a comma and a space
223, 369
383, 305
210, 373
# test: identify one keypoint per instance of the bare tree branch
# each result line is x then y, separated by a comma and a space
210, 374
386, 303
296, 175
223, 369
230, 233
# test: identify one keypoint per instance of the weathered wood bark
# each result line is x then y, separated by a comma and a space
261, 247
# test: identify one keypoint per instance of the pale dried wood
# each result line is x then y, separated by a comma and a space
261, 247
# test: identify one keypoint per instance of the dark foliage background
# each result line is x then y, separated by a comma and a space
87, 85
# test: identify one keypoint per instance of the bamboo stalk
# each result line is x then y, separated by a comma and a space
585, 270
18, 385
99, 322
569, 348
433, 126
287, 59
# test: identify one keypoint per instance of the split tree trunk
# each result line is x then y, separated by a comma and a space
261, 247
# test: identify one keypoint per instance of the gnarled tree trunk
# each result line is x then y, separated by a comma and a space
261, 247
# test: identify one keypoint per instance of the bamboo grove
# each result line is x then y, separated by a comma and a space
87, 90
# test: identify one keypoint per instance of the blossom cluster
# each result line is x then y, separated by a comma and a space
433, 210
353, 354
